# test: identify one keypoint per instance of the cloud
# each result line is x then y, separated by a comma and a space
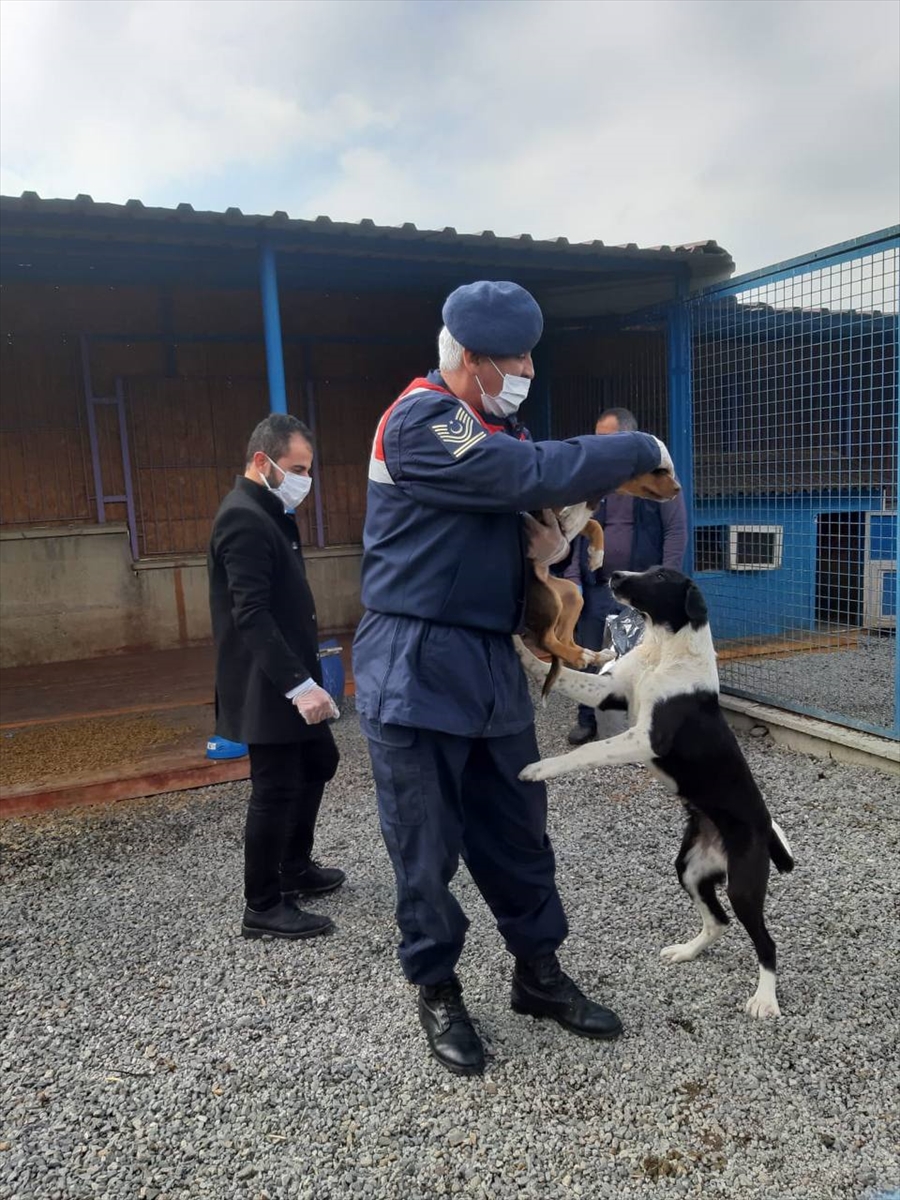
128, 99
772, 126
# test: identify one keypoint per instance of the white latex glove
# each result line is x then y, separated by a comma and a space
546, 541
315, 706
665, 458
573, 518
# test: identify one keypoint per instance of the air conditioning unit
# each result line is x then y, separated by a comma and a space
755, 547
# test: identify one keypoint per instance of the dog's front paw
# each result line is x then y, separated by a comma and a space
595, 559
762, 1006
680, 952
537, 771
599, 658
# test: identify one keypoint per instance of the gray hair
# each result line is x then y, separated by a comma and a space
625, 417
450, 352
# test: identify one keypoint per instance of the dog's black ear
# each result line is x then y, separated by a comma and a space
695, 605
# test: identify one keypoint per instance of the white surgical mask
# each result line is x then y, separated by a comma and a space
509, 399
292, 490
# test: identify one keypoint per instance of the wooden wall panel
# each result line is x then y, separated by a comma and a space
42, 309
364, 314
208, 359
188, 440
110, 360
44, 450
230, 311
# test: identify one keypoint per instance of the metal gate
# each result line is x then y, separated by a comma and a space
793, 403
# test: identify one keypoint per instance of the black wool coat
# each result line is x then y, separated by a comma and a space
263, 618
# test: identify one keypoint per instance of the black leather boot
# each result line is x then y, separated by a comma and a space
580, 735
285, 920
540, 988
313, 880
451, 1035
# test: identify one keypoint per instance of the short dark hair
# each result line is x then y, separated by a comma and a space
626, 418
273, 434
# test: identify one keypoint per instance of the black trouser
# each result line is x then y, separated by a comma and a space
288, 782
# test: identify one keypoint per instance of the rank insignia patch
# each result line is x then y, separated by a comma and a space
459, 434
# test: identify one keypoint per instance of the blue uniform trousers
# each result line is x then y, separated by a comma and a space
440, 797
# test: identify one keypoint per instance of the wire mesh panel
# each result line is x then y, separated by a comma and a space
593, 372
795, 484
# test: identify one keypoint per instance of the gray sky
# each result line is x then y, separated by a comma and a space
772, 126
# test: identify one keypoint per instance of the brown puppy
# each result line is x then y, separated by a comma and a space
553, 605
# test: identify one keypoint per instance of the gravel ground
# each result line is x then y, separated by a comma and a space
857, 682
151, 1053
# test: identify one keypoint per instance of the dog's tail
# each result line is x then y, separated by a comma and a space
779, 849
552, 675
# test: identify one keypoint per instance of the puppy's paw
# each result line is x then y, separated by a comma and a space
537, 771
680, 952
762, 1006
599, 658
595, 559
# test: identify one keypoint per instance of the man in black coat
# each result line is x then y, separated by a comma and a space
269, 691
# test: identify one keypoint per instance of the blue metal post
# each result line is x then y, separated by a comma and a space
268, 282
681, 410
897, 550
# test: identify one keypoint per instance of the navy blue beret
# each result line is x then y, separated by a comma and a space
499, 319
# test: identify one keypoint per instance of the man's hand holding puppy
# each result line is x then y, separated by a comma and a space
547, 543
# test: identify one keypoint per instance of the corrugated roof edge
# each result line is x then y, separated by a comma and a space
186, 214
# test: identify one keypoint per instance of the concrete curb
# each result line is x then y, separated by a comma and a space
812, 736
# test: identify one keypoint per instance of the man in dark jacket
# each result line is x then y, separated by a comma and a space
269, 691
638, 534
442, 696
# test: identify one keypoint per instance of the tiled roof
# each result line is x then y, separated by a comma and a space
184, 220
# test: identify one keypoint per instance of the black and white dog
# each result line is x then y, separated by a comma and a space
670, 686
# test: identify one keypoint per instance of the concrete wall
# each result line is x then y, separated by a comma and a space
76, 593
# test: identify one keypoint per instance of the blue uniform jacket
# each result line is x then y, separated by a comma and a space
444, 566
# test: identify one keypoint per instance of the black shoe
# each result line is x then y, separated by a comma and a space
540, 988
580, 735
313, 880
451, 1035
285, 920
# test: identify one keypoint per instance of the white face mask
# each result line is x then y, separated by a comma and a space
292, 490
509, 399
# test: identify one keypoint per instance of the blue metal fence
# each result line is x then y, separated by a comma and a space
789, 421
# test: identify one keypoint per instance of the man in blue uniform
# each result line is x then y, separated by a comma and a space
442, 698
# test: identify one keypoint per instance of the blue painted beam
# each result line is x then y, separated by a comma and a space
897, 579
681, 409
268, 282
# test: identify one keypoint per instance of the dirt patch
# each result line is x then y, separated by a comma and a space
44, 753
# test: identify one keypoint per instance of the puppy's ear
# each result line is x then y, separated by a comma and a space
695, 606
